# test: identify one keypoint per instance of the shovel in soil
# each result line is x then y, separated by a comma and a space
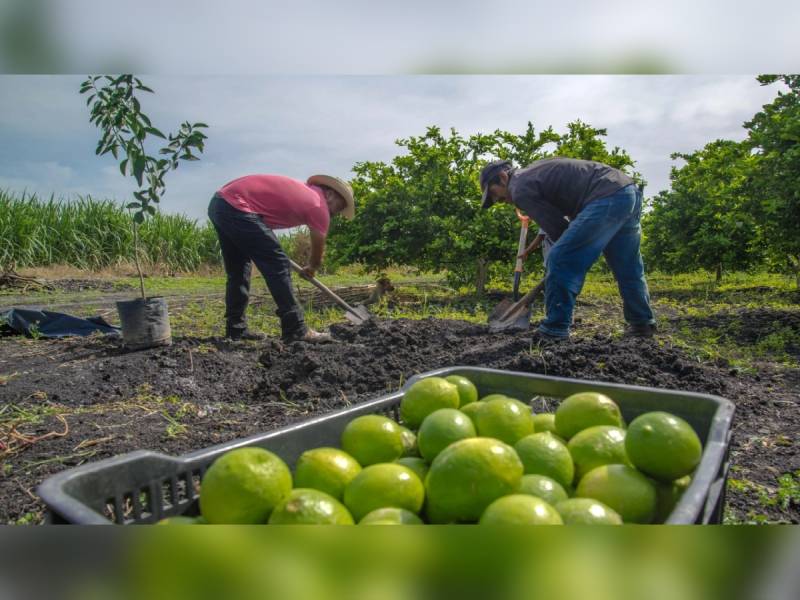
355, 314
514, 316
509, 314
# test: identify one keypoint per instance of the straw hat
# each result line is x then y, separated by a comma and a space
341, 187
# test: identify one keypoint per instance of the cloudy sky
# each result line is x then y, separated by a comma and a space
298, 125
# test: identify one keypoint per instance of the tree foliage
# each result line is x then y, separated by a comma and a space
423, 207
735, 205
117, 112
704, 220
774, 135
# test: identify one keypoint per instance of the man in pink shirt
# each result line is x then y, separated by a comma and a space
245, 212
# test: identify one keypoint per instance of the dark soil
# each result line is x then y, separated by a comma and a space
83, 285
114, 402
750, 326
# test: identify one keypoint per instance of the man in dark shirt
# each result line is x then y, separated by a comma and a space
586, 208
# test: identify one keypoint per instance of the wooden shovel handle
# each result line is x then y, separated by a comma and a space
321, 286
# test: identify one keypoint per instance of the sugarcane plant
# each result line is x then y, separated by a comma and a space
116, 111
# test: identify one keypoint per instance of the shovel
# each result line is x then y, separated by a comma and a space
523, 237
501, 312
516, 316
355, 314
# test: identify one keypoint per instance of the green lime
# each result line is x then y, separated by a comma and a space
426, 396
328, 470
178, 520
667, 497
520, 509
587, 409
623, 489
587, 511
467, 391
372, 439
381, 486
544, 422
542, 487
391, 516
663, 446
493, 397
469, 475
304, 506
471, 410
410, 447
416, 464
243, 486
505, 419
595, 446
440, 429
544, 454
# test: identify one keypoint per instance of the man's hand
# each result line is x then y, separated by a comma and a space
317, 252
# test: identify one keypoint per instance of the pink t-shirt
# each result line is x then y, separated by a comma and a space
281, 202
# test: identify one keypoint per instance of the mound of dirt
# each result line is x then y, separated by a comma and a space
380, 355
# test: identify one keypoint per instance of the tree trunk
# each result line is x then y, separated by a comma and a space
482, 276
719, 272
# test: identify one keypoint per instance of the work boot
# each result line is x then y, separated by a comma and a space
245, 334
642, 330
311, 336
540, 335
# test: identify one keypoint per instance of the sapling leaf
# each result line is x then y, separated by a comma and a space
138, 168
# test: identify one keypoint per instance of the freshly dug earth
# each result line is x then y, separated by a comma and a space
92, 400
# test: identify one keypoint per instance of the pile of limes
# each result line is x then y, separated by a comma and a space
455, 458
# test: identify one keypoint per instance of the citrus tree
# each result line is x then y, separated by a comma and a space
117, 112
705, 219
423, 207
774, 135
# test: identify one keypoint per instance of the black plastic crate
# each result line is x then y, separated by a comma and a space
144, 486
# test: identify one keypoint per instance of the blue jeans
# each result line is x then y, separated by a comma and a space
610, 226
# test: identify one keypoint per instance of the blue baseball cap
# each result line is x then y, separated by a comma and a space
488, 173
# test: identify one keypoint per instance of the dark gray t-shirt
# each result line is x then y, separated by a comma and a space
553, 191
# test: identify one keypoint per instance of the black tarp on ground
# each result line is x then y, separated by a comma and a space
48, 324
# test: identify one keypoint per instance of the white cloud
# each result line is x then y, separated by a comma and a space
297, 125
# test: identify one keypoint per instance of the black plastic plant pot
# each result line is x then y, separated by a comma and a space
145, 323
145, 486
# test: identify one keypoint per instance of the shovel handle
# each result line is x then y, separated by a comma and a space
321, 286
523, 237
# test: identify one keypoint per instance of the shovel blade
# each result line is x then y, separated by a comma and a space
358, 314
517, 320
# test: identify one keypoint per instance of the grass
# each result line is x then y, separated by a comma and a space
197, 305
91, 234
171, 408
783, 497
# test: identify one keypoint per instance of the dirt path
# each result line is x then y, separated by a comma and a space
91, 400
